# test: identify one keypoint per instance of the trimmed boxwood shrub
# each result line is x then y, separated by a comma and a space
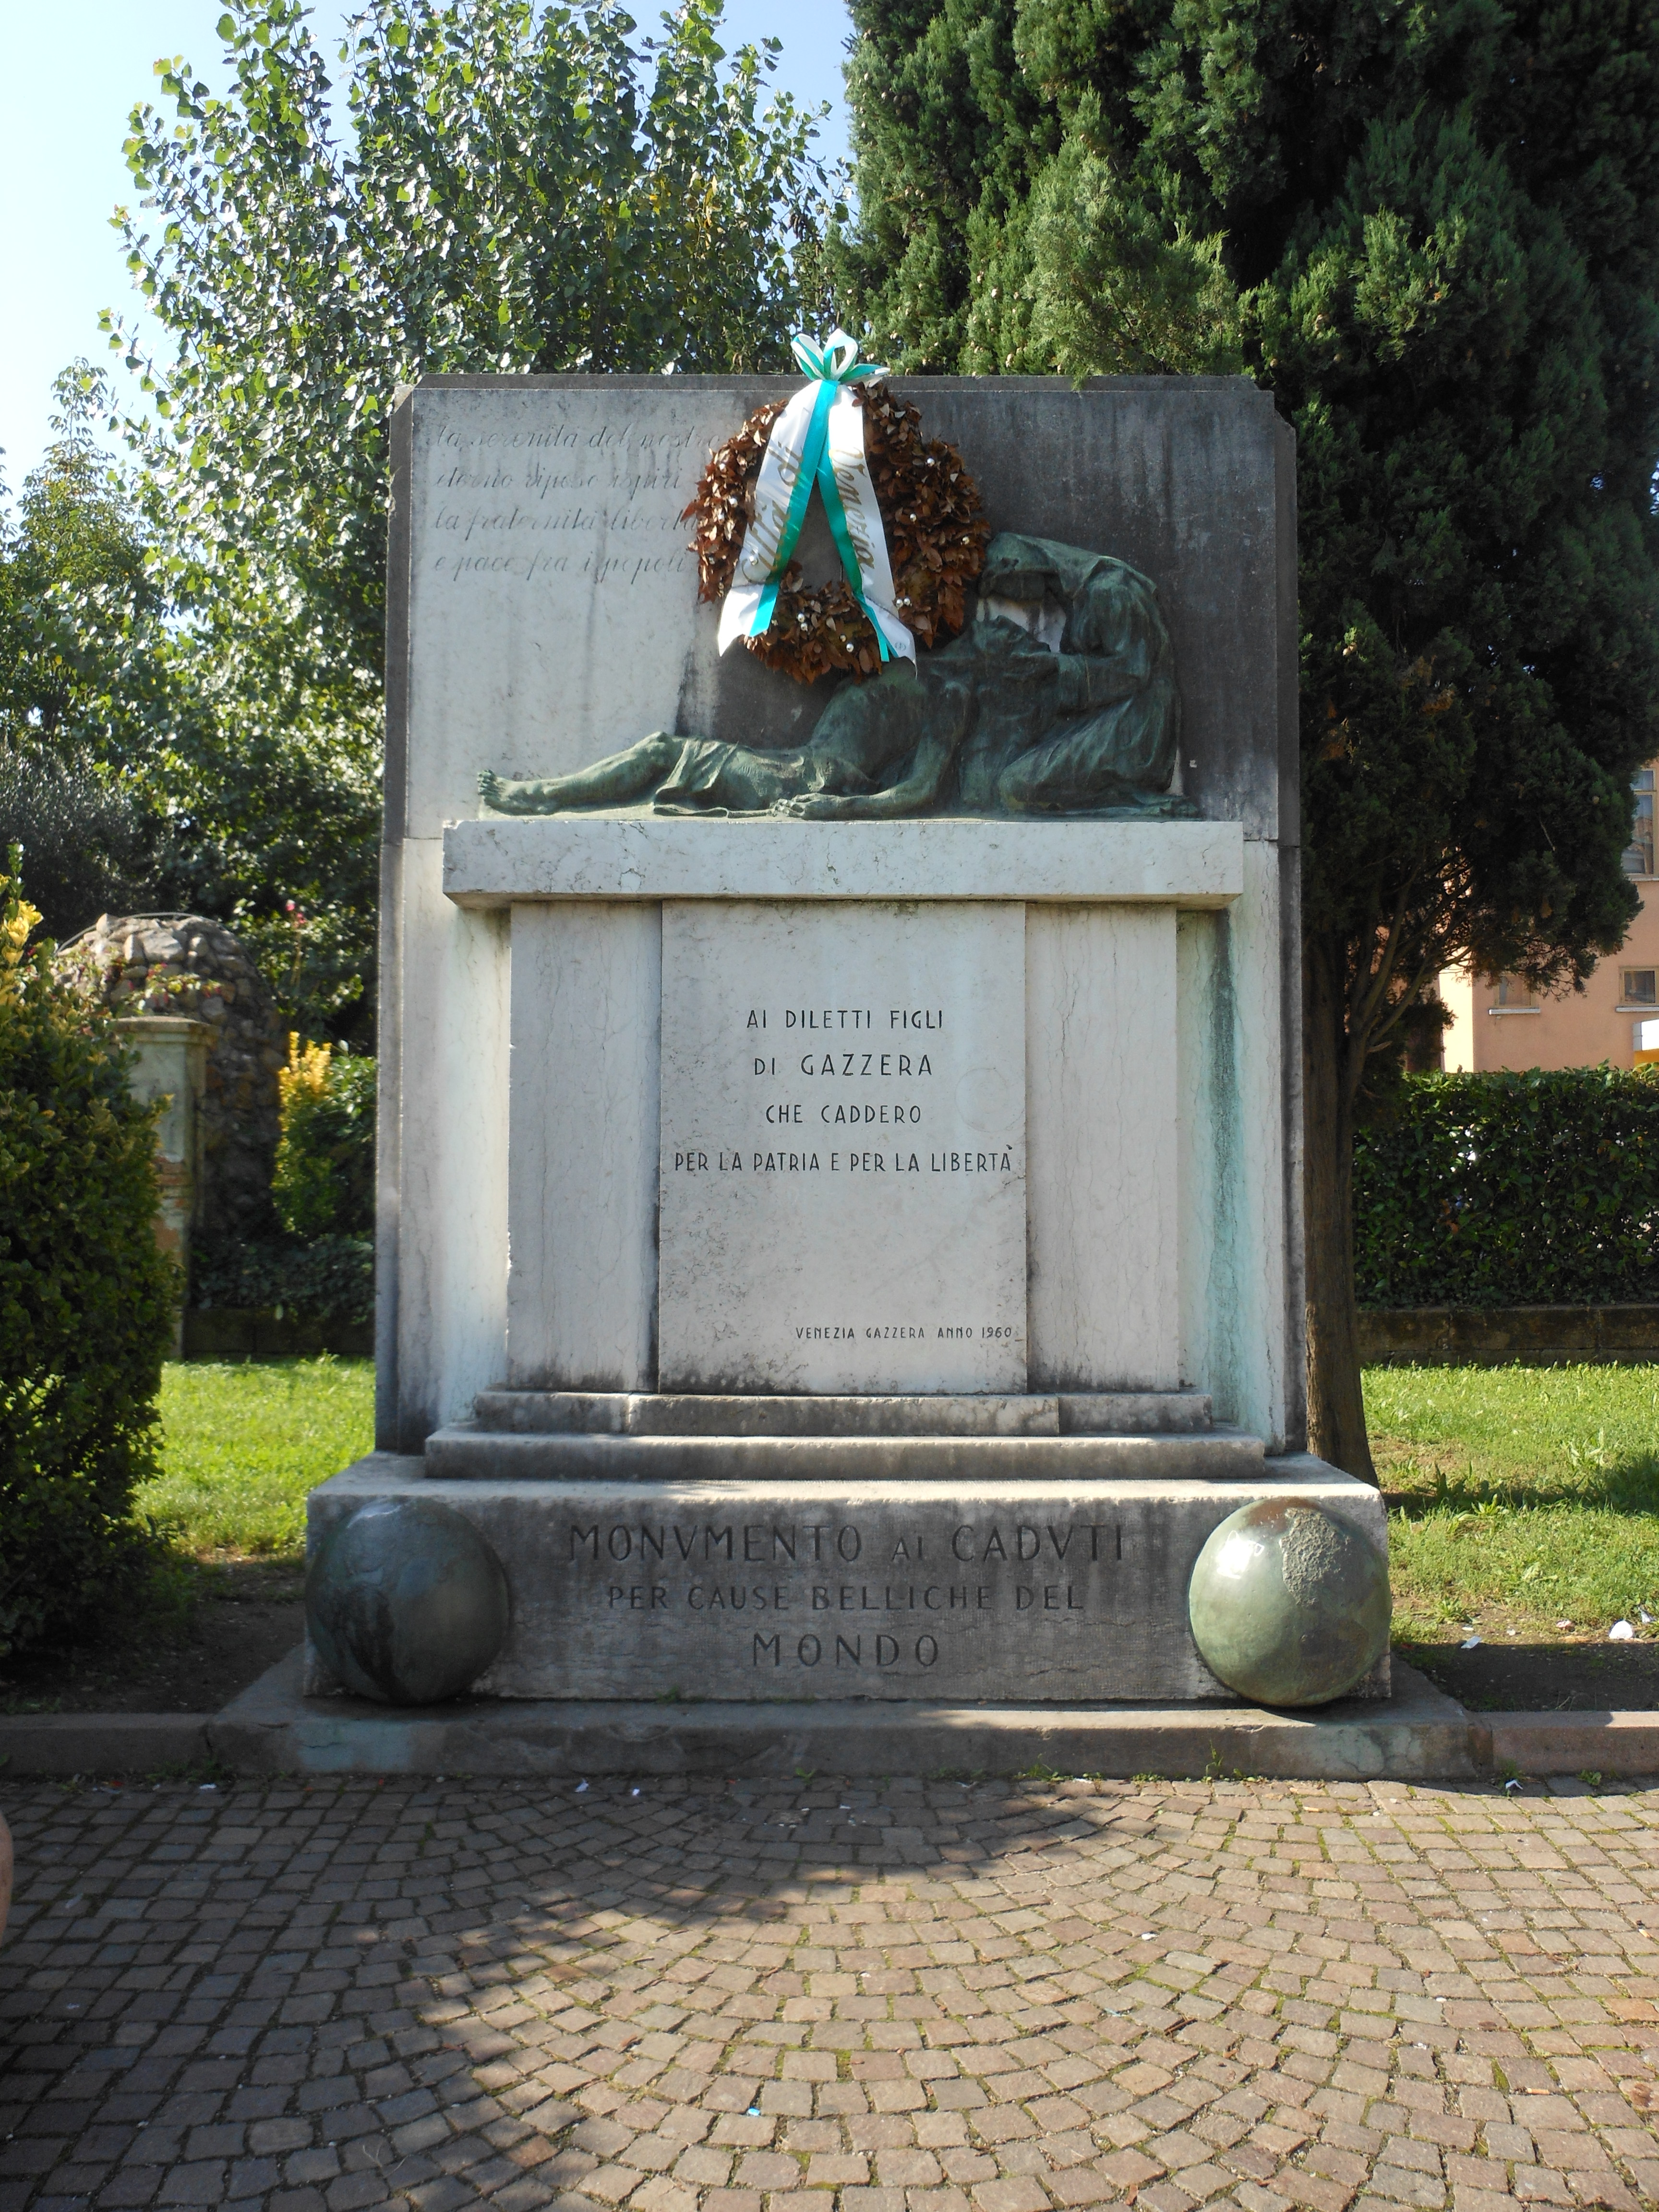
1540, 1188
86, 1299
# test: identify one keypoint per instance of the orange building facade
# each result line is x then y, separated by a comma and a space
1496, 1022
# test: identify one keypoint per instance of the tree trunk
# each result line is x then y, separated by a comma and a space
1336, 1411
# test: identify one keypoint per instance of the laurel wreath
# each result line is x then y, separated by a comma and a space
936, 530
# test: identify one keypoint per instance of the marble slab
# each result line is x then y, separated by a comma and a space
497, 861
1102, 1109
619, 1414
842, 1164
542, 609
544, 587
582, 1286
1215, 1455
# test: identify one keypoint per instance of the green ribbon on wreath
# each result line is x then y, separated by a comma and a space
834, 363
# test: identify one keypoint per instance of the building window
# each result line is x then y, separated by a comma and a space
1638, 854
1513, 995
1639, 989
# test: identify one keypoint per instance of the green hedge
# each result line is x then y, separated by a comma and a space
326, 1279
1509, 1190
86, 1300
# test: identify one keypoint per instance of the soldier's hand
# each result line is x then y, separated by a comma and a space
1040, 667
814, 806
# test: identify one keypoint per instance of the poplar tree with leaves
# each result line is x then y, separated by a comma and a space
478, 185
83, 674
1433, 234
461, 186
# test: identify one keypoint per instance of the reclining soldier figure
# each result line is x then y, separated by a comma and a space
1058, 698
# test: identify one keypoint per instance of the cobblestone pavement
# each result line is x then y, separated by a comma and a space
939, 1997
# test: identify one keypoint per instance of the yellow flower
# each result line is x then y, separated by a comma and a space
306, 1076
15, 932
18, 919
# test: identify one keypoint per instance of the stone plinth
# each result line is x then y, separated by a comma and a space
1414, 1734
494, 864
961, 1586
934, 1413
168, 967
1085, 1193
1221, 1456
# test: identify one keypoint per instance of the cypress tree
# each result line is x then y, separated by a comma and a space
1433, 233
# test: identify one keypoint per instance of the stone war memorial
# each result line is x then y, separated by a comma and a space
839, 1263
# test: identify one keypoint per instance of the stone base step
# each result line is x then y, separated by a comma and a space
1415, 1736
679, 1413
1035, 1591
467, 1451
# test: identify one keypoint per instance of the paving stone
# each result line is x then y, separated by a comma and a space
930, 1997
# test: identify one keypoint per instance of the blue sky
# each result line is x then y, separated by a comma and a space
72, 72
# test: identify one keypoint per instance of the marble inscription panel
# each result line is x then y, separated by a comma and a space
1022, 1592
553, 598
842, 1166
858, 1596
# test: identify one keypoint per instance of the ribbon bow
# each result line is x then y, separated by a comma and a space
832, 361
817, 440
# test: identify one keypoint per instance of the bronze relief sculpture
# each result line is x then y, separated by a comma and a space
1058, 698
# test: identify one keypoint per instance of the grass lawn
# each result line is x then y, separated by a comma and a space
1521, 1499
1536, 1490
242, 1443
1524, 1504
1528, 1497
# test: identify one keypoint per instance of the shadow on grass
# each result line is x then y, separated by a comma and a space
1624, 1484
1521, 1676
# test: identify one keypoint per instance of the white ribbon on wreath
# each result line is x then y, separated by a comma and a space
817, 440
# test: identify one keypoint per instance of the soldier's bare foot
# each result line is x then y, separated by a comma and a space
489, 785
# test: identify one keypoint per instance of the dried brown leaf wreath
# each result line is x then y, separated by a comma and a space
936, 529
